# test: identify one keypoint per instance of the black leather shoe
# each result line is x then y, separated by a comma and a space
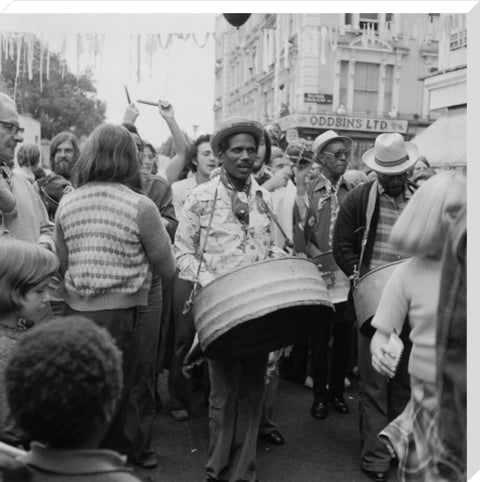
274, 437
319, 409
339, 405
376, 476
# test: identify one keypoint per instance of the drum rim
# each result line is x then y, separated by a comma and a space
399, 261
265, 261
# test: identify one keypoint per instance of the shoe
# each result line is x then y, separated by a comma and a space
179, 415
339, 405
347, 383
148, 462
376, 476
274, 437
319, 409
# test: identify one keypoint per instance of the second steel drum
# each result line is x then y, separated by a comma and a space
260, 308
368, 290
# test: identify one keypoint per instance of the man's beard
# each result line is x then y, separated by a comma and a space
63, 168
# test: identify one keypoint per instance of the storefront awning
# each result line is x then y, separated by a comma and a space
444, 143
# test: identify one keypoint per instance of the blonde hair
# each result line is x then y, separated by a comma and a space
23, 265
423, 225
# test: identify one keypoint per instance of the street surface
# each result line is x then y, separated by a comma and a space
315, 450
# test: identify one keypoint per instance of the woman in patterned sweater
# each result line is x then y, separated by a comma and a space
109, 239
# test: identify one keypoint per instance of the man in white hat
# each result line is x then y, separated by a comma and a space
332, 154
360, 244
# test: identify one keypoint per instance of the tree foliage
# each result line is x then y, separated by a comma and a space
67, 102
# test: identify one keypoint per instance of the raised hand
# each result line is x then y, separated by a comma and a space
131, 114
166, 109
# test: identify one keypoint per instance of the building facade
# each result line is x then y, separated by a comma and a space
359, 74
444, 143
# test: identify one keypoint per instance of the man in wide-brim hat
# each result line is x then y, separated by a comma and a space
360, 244
224, 214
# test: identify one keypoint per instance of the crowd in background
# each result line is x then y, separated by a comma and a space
99, 254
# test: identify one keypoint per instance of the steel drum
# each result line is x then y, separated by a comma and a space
260, 308
338, 284
368, 291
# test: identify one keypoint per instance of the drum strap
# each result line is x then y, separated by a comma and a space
372, 199
274, 218
189, 302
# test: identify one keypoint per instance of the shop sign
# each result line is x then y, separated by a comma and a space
291, 135
344, 123
318, 98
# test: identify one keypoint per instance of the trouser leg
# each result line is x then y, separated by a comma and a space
125, 434
251, 390
319, 344
373, 411
340, 354
184, 334
235, 402
267, 425
149, 322
224, 386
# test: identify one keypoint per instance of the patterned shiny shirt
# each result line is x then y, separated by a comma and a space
230, 244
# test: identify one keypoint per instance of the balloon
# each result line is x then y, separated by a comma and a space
236, 19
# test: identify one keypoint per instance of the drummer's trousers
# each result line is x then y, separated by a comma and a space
234, 415
381, 400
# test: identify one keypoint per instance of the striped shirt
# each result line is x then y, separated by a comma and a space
390, 210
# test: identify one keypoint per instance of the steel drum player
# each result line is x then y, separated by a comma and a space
227, 220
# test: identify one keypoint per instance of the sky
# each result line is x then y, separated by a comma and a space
182, 74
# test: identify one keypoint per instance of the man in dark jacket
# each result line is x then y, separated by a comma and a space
360, 244
332, 153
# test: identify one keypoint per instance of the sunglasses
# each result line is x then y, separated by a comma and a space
12, 128
338, 154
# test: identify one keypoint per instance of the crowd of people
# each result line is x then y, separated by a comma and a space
101, 256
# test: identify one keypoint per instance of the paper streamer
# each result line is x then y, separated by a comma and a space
323, 57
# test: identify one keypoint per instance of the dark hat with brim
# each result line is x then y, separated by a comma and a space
235, 125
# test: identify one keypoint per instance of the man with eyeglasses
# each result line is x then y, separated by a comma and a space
23, 215
332, 154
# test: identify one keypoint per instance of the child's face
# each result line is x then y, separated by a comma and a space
34, 301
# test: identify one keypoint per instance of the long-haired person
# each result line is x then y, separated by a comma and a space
412, 293
25, 271
109, 238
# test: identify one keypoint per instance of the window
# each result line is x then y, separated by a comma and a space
368, 18
348, 19
366, 87
388, 88
433, 17
343, 83
458, 40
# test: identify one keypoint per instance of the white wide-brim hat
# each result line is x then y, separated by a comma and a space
329, 136
391, 155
